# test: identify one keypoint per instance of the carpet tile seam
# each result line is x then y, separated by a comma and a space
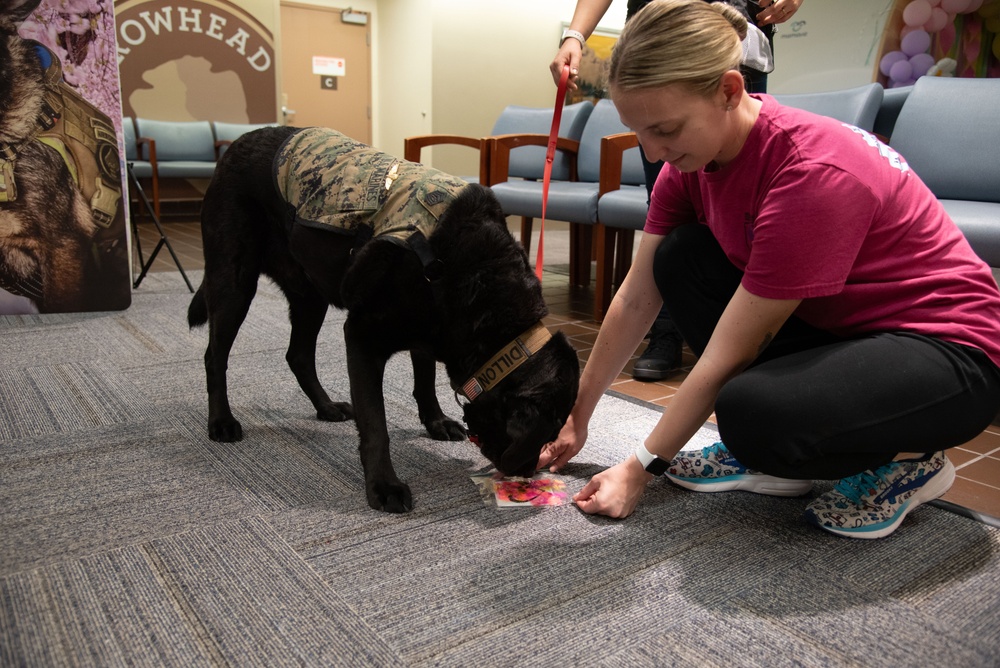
182, 606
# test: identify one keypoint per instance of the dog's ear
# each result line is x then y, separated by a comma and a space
476, 202
13, 12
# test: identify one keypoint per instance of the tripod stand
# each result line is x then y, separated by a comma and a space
146, 264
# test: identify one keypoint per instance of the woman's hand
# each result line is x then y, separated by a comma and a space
567, 444
569, 54
777, 11
616, 491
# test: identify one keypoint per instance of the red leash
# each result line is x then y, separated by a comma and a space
550, 155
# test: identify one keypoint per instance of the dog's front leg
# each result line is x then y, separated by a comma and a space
365, 370
439, 426
307, 312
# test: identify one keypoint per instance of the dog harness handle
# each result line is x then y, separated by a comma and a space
550, 155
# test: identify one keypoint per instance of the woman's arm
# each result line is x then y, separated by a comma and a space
629, 317
747, 326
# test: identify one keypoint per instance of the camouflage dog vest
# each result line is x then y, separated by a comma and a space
333, 182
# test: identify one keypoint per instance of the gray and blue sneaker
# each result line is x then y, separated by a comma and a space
714, 469
872, 504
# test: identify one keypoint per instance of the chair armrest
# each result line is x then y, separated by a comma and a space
412, 146
219, 145
501, 145
155, 169
612, 148
151, 143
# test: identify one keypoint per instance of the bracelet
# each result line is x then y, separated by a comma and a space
575, 34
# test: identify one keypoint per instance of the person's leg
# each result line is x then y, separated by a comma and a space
848, 410
852, 406
697, 281
818, 406
662, 355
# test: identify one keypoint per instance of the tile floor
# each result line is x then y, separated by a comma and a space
977, 487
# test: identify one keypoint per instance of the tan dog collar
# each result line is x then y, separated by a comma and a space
511, 356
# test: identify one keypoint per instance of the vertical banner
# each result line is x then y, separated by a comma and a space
63, 240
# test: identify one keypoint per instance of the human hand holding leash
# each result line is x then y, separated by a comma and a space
569, 54
777, 11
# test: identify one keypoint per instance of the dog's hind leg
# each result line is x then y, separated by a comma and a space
226, 314
439, 426
307, 312
366, 369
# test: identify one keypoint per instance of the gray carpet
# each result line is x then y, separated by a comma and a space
128, 538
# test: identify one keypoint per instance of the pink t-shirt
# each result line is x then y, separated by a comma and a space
818, 210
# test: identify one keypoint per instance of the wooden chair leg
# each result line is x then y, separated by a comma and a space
526, 225
623, 256
580, 244
156, 195
604, 250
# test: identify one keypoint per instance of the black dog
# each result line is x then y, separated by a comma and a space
463, 294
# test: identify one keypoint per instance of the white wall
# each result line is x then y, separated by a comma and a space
450, 66
404, 73
829, 45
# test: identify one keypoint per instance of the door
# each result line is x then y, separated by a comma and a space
326, 69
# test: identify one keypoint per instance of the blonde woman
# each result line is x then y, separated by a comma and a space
662, 356
844, 328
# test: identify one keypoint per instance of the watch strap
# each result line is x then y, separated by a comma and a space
650, 462
575, 34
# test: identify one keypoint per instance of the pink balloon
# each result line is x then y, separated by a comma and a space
937, 21
890, 59
955, 6
917, 13
974, 5
901, 71
934, 3
916, 42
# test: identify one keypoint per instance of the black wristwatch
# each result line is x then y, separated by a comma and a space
651, 462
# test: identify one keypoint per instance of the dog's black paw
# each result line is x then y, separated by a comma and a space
391, 497
446, 430
225, 430
338, 411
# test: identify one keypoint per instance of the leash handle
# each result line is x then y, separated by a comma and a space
550, 155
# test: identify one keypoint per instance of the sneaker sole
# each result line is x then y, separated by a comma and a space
757, 483
934, 488
649, 374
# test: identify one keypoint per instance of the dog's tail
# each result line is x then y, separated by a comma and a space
198, 310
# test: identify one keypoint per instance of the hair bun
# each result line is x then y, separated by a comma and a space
733, 15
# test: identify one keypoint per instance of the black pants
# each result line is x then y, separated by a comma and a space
817, 406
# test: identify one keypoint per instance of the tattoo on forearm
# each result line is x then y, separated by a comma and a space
765, 343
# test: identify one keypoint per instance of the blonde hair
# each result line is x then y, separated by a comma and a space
688, 42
